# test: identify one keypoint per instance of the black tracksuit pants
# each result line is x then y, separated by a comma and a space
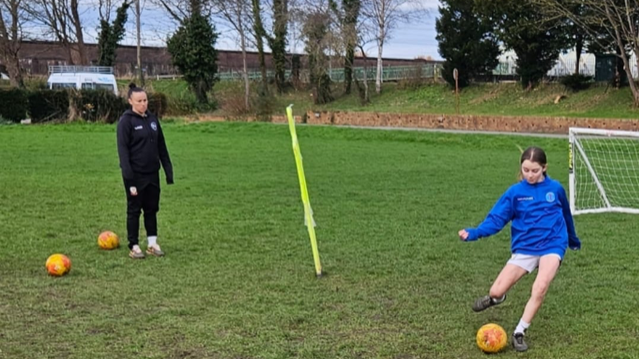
147, 201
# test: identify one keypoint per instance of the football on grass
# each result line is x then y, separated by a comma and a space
491, 338
108, 240
58, 265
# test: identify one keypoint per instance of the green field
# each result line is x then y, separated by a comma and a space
238, 278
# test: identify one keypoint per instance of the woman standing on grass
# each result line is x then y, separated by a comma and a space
542, 228
141, 149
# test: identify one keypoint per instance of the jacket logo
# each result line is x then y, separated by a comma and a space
138, 128
550, 197
154, 126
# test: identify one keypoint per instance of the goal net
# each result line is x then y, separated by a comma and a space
604, 171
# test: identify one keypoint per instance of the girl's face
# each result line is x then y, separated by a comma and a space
533, 172
138, 102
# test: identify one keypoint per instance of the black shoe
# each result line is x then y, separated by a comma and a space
486, 302
518, 342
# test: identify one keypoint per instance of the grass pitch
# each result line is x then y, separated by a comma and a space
238, 279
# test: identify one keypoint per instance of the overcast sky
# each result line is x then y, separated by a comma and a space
407, 41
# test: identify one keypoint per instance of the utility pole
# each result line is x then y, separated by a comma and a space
137, 24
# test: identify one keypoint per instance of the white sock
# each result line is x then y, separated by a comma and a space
522, 326
152, 240
498, 300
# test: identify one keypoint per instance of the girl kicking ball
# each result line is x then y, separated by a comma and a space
542, 228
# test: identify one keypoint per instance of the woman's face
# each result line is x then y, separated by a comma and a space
138, 102
533, 172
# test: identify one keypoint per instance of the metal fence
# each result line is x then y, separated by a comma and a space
563, 67
73, 69
389, 73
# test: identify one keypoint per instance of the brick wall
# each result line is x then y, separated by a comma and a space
36, 56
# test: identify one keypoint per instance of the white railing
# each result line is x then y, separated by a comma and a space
73, 69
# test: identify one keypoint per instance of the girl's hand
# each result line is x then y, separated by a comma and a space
463, 235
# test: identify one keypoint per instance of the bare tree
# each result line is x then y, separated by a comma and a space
110, 34
277, 42
345, 35
260, 34
180, 10
62, 21
237, 13
363, 88
296, 16
11, 20
176, 9
617, 19
382, 17
105, 8
316, 33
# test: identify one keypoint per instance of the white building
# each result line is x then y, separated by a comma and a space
565, 64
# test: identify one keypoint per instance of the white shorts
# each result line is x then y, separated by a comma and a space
529, 262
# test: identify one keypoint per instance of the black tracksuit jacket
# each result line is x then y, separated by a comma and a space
141, 149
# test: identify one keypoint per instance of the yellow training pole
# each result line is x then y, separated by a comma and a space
308, 211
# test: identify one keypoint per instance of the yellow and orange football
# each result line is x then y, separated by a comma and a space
491, 338
58, 265
108, 240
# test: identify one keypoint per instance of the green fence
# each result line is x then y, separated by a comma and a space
389, 73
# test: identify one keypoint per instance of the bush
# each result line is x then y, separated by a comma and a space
36, 83
97, 105
47, 105
414, 80
158, 104
13, 104
232, 100
263, 105
178, 106
576, 82
184, 106
210, 106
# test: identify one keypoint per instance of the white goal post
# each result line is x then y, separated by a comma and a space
603, 171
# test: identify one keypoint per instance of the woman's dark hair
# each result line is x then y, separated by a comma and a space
533, 154
133, 88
